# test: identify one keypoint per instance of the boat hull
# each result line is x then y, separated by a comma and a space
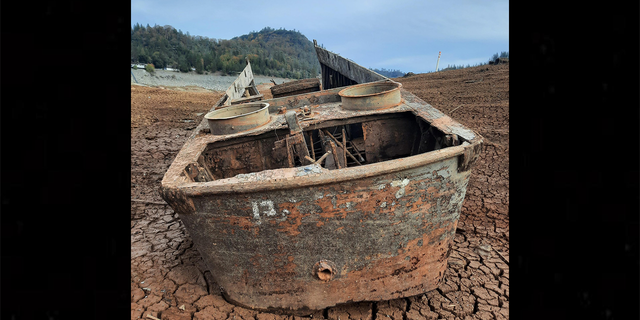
381, 236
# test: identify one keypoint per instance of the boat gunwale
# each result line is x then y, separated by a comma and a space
195, 145
228, 186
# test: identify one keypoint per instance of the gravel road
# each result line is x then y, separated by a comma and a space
179, 79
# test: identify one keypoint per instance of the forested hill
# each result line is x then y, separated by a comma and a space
389, 73
278, 53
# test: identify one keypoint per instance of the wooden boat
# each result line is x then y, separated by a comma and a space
350, 193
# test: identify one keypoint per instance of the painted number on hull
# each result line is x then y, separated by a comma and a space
265, 207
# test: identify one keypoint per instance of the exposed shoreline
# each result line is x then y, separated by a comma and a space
211, 81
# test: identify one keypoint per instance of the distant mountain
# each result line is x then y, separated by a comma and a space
278, 53
389, 73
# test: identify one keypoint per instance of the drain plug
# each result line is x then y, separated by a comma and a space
324, 270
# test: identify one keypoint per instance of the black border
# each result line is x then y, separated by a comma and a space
65, 160
574, 161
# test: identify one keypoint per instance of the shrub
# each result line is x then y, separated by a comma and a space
135, 67
149, 67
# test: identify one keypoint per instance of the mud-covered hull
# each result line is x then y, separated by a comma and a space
385, 236
282, 230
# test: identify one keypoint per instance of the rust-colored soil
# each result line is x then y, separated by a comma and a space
170, 281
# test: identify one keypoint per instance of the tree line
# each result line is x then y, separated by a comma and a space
272, 52
503, 54
397, 73
389, 73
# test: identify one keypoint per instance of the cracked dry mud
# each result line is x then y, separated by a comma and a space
170, 281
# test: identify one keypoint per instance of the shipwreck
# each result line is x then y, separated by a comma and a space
341, 189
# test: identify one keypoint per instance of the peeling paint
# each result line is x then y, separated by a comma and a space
400, 183
444, 173
308, 170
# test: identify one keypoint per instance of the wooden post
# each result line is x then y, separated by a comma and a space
341, 146
335, 154
344, 146
313, 151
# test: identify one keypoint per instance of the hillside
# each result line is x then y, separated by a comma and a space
279, 53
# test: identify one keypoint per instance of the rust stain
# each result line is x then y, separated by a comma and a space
293, 221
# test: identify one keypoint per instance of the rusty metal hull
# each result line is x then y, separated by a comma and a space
281, 230
383, 237
305, 238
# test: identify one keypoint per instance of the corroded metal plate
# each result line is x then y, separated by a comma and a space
238, 118
371, 96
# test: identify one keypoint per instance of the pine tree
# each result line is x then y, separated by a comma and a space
199, 64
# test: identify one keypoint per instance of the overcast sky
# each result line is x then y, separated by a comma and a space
399, 35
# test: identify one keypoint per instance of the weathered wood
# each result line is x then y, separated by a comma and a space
324, 156
313, 151
292, 122
252, 98
326, 147
319, 161
355, 148
336, 158
342, 146
237, 89
289, 155
298, 146
148, 201
424, 142
344, 67
280, 152
203, 164
295, 87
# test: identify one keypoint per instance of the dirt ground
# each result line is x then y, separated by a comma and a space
169, 279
